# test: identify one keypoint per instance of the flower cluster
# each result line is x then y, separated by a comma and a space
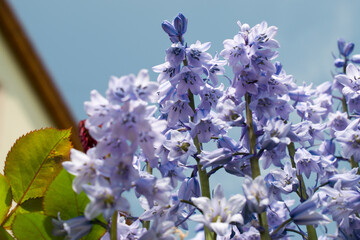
151, 138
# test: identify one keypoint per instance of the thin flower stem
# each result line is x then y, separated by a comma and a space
204, 178
302, 189
255, 168
282, 226
345, 108
311, 232
214, 170
146, 224
113, 228
100, 223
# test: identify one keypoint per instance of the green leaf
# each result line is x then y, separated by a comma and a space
5, 198
4, 235
29, 206
33, 226
60, 197
35, 160
96, 233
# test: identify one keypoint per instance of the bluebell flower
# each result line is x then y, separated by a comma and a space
72, 229
176, 29
239, 166
160, 230
122, 172
349, 47
132, 231
341, 45
218, 213
166, 72
277, 212
210, 96
349, 139
177, 111
154, 190
256, 193
301, 93
275, 133
311, 112
189, 188
236, 51
85, 167
264, 107
339, 203
218, 157
98, 110
132, 87
285, 180
347, 179
306, 162
262, 36
230, 112
350, 81
339, 63
180, 146
188, 79
215, 67
175, 54
104, 199
355, 59
305, 214
273, 156
337, 121
206, 126
173, 171
283, 108
196, 54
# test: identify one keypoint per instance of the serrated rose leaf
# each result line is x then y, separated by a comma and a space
4, 235
5, 197
35, 160
60, 197
29, 206
34, 226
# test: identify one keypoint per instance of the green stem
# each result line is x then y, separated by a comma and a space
282, 226
146, 224
353, 164
311, 232
204, 178
302, 189
113, 228
254, 162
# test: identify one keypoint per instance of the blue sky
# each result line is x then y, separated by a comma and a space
84, 42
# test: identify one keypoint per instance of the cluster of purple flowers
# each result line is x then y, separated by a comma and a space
158, 150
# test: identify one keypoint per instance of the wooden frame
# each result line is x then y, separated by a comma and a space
35, 72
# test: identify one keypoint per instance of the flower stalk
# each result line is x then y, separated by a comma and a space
302, 190
254, 162
113, 228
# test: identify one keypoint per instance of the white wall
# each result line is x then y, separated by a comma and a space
20, 109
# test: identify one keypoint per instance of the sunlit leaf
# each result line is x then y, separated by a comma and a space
4, 235
33, 226
35, 160
5, 197
60, 197
29, 206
